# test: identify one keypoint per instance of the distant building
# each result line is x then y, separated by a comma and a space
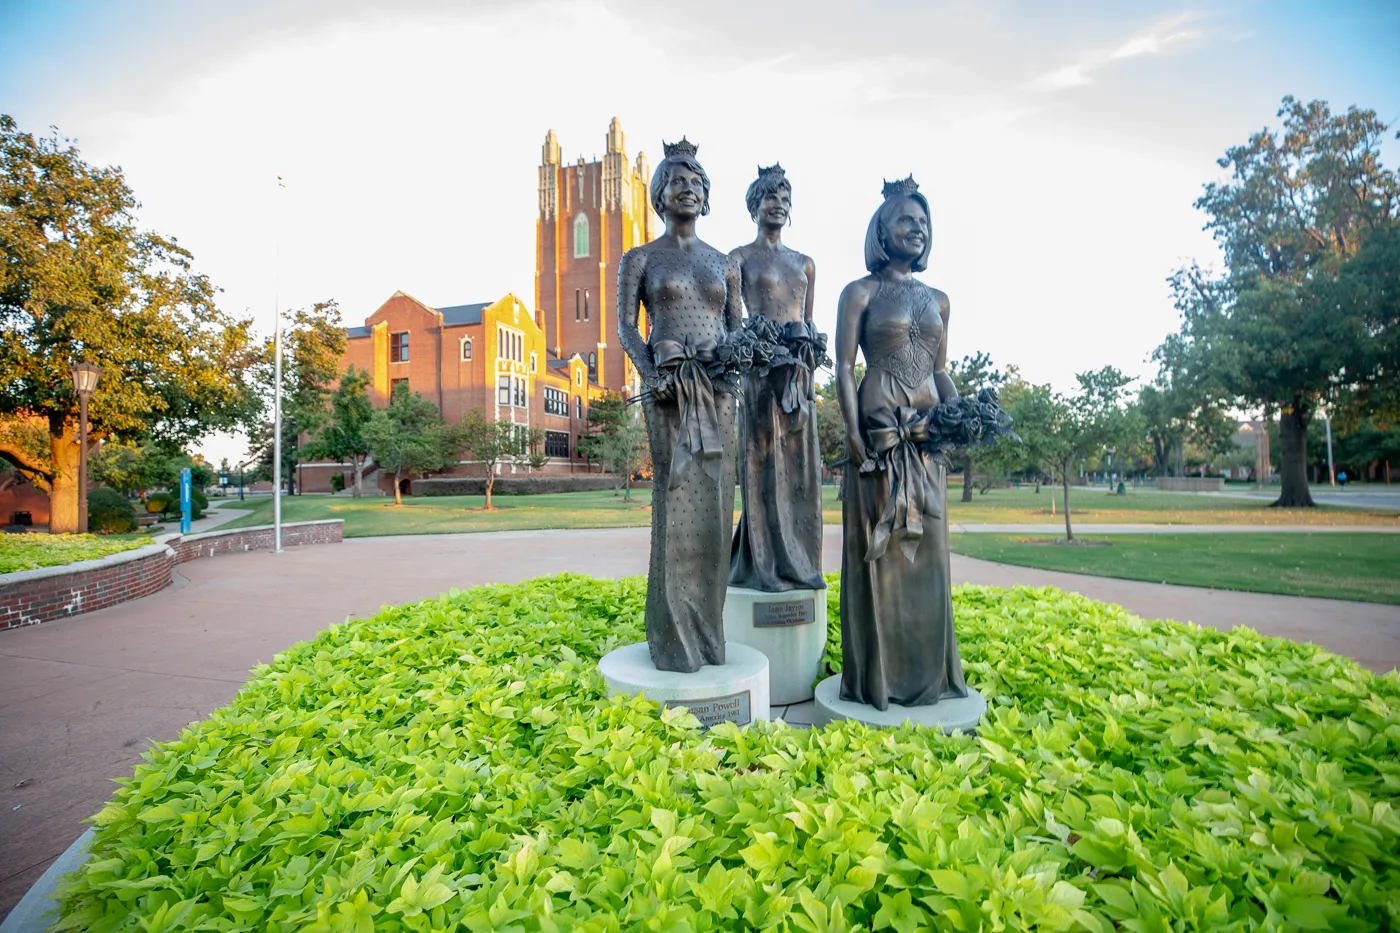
490, 356
590, 213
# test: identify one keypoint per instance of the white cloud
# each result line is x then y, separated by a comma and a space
1151, 42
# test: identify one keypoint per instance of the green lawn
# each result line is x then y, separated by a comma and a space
377, 515
32, 551
1335, 565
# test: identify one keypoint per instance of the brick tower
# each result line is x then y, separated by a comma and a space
590, 214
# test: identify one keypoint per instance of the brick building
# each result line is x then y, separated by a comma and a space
590, 213
490, 356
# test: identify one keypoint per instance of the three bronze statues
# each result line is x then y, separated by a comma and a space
705, 365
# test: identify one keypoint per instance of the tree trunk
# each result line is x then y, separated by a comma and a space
358, 463
490, 481
1293, 465
63, 491
1069, 532
398, 488
967, 479
627, 487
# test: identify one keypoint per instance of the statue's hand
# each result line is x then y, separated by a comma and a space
663, 387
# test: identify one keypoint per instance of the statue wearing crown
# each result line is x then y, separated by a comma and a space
691, 294
897, 640
778, 544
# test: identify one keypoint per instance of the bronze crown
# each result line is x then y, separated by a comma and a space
905, 186
683, 148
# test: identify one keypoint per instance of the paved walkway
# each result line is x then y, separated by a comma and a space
81, 698
1088, 529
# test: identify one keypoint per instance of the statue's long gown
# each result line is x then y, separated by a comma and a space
897, 641
692, 455
778, 544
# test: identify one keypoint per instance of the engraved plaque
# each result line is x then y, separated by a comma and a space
714, 710
794, 612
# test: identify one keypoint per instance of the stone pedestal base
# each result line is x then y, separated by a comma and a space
789, 627
737, 692
949, 715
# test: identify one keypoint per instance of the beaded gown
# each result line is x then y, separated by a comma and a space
897, 640
688, 298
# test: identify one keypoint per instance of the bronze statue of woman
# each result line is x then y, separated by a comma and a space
897, 641
778, 545
691, 294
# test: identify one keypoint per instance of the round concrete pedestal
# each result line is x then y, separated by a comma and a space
949, 715
735, 692
788, 627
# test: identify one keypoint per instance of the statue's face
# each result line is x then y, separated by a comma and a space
774, 209
907, 230
685, 193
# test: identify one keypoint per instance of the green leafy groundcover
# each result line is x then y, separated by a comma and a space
455, 765
32, 551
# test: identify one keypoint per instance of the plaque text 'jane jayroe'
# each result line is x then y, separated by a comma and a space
793, 612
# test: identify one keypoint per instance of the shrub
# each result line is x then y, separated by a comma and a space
161, 503
455, 764
168, 503
109, 511
32, 551
337, 482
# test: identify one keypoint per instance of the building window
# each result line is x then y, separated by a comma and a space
534, 362
580, 236
578, 407
556, 444
503, 391
519, 393
398, 347
394, 386
556, 403
585, 304
578, 378
577, 303
467, 350
593, 367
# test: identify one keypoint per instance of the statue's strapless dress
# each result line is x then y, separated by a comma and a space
897, 641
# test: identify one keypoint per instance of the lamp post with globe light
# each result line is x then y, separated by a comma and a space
85, 376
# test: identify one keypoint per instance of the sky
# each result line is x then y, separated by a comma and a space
1062, 145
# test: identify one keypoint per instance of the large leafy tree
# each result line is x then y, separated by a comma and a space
1305, 312
342, 437
493, 443
970, 375
313, 343
80, 280
616, 438
409, 438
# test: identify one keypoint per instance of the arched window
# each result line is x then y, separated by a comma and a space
580, 236
593, 367
467, 350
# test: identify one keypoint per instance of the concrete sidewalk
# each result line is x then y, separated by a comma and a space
81, 698
1088, 529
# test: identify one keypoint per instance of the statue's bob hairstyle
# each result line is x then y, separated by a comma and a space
662, 177
875, 256
770, 180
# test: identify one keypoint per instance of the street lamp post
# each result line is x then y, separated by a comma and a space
85, 376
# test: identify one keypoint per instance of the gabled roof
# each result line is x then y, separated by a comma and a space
464, 314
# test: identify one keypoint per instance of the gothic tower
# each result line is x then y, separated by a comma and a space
590, 213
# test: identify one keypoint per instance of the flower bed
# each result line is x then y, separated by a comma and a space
455, 764
32, 551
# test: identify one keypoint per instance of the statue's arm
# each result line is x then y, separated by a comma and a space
630, 274
850, 311
733, 296
941, 380
811, 269
736, 256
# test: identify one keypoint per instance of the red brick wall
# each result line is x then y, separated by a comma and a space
134, 574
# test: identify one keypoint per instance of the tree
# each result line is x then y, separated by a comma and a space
313, 343
605, 415
831, 427
133, 469
623, 451
1304, 314
80, 281
1060, 431
970, 375
409, 439
342, 437
494, 443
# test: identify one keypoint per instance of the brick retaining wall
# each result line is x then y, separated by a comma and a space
34, 596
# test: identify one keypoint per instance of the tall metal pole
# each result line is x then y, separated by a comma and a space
1331, 470
277, 383
82, 463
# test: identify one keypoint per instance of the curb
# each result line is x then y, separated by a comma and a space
34, 912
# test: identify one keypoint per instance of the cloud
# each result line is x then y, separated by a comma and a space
1151, 42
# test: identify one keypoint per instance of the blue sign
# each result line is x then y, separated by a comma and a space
185, 504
